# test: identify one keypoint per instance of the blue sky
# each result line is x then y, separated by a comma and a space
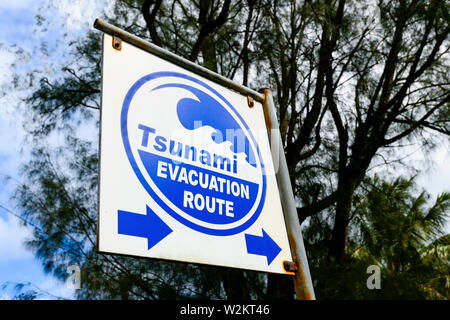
18, 32
17, 264
17, 25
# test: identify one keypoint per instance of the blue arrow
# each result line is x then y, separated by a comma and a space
263, 246
148, 226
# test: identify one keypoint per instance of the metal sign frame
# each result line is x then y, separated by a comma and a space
299, 266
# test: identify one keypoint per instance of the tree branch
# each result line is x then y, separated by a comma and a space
208, 26
416, 124
149, 17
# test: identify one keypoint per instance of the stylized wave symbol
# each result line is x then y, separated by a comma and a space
206, 111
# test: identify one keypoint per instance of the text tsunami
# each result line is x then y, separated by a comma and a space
192, 177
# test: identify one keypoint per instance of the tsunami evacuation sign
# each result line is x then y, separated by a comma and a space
186, 171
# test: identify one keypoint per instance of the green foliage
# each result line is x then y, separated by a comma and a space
396, 230
407, 239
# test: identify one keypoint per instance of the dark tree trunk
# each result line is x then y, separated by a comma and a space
209, 54
342, 218
235, 284
280, 287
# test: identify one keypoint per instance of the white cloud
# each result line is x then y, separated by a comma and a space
434, 171
7, 59
12, 236
56, 289
83, 12
437, 179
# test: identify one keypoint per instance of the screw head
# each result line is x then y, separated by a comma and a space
250, 102
290, 266
117, 43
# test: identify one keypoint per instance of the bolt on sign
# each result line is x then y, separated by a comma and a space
186, 171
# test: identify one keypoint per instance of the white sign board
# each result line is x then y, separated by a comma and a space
185, 168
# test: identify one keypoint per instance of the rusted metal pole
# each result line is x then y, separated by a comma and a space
302, 280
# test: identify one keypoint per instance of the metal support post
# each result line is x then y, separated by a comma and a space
302, 279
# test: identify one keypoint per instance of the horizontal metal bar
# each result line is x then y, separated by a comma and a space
110, 29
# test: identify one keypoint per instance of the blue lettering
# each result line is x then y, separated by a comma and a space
160, 144
146, 130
